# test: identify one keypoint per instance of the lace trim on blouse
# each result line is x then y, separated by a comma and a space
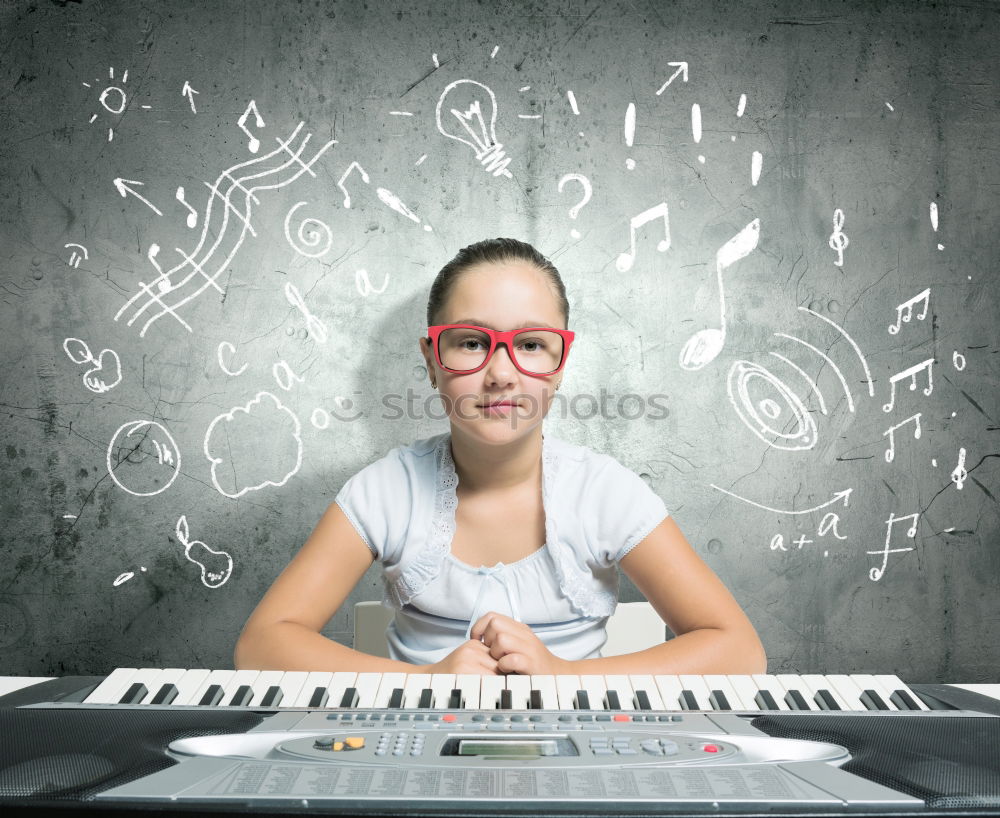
575, 582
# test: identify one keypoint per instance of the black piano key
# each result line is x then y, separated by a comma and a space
426, 698
165, 695
688, 701
796, 701
319, 697
242, 696
765, 701
535, 700
456, 701
824, 698
506, 699
872, 700
611, 700
641, 700
273, 696
396, 699
581, 701
718, 700
212, 696
350, 697
903, 700
136, 693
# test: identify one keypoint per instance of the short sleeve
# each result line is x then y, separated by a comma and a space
627, 511
377, 501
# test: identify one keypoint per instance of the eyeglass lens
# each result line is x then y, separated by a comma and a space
537, 351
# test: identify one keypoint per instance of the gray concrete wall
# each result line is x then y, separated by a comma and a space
872, 111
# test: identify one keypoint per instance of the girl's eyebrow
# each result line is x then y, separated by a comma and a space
480, 323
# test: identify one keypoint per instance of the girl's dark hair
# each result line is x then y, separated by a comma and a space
492, 250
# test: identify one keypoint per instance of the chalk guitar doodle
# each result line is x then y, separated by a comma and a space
235, 189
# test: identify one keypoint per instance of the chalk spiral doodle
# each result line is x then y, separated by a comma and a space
312, 233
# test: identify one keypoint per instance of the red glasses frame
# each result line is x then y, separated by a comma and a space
496, 338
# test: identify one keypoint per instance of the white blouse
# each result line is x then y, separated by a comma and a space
596, 510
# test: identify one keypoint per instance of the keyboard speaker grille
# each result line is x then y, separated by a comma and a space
948, 761
64, 754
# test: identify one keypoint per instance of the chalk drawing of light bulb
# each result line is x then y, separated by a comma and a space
473, 119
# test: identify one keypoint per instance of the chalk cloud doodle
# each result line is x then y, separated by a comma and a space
253, 446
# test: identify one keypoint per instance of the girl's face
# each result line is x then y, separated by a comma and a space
501, 296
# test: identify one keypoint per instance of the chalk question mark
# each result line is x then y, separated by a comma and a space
587, 190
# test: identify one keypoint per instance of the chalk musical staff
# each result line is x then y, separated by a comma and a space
890, 453
904, 312
875, 574
910, 373
218, 244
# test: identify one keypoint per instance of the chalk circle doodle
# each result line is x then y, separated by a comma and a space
141, 454
311, 233
234, 440
766, 417
106, 372
320, 418
216, 566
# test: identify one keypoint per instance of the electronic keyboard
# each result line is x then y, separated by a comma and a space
620, 693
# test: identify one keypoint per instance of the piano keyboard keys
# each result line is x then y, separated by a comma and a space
620, 693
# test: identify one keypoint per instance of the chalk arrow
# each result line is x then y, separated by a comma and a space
682, 68
124, 190
189, 92
844, 495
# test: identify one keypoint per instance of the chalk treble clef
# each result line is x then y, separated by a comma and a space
838, 239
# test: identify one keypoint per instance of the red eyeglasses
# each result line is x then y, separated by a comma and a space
466, 348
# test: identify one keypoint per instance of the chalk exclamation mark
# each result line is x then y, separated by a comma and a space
630, 132
934, 221
696, 127
740, 108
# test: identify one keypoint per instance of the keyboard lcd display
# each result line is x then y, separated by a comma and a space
509, 748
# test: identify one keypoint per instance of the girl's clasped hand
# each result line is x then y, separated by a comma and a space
498, 646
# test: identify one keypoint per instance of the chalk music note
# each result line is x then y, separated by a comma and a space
890, 453
959, 475
192, 218
910, 373
340, 184
254, 144
162, 281
907, 308
627, 259
703, 347
838, 239
875, 574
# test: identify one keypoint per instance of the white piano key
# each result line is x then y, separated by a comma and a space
469, 684
367, 685
388, 683
646, 682
489, 692
793, 682
415, 684
264, 681
770, 683
520, 691
113, 687
893, 683
623, 687
315, 679
163, 677
670, 688
144, 676
867, 681
546, 685
566, 686
215, 677
746, 691
696, 684
442, 684
342, 679
189, 684
594, 685
239, 678
814, 682
722, 683
848, 690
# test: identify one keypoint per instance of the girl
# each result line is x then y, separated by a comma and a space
500, 545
